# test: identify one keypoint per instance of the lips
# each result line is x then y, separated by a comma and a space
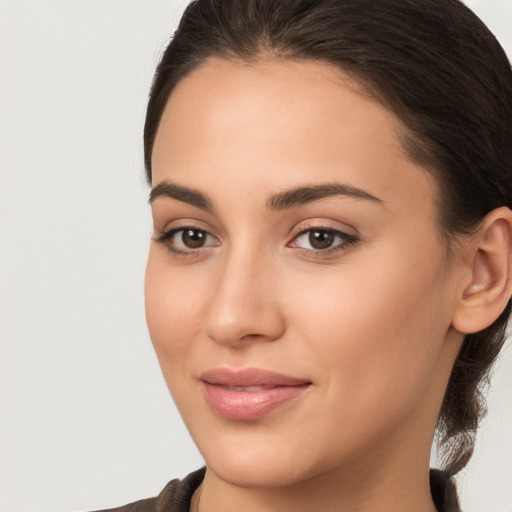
249, 394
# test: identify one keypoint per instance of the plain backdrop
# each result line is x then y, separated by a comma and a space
86, 421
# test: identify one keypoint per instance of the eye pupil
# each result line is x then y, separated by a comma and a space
321, 239
193, 238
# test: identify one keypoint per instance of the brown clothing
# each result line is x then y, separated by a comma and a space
177, 494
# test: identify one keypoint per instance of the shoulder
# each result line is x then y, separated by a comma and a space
175, 496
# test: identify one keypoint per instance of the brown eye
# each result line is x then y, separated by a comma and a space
323, 241
186, 241
321, 238
193, 238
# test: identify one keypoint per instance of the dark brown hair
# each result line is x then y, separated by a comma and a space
444, 75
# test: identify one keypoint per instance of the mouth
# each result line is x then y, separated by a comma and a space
249, 394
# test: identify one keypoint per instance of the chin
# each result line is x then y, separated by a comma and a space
248, 472
259, 460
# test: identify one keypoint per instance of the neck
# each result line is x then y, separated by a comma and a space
390, 488
391, 478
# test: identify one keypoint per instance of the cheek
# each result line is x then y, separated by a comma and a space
376, 326
173, 303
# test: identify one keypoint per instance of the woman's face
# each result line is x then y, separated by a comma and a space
297, 291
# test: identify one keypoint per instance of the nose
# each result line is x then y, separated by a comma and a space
244, 306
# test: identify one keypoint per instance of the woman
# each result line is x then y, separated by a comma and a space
329, 279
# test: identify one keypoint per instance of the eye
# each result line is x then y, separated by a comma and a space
321, 239
186, 240
190, 238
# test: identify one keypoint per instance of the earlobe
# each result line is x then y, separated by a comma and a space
489, 289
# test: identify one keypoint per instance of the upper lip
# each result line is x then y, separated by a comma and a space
249, 377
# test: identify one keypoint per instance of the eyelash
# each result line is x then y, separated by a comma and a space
347, 241
166, 237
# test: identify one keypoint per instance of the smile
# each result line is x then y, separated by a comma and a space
247, 395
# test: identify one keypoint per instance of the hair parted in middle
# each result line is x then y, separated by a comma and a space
438, 68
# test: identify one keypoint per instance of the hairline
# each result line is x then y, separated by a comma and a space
414, 148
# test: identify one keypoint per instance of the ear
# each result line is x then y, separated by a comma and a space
487, 287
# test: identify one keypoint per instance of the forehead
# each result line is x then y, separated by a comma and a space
280, 124
222, 93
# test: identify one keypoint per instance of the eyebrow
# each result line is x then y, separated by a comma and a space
187, 195
308, 194
282, 201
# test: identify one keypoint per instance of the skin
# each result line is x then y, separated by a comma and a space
369, 323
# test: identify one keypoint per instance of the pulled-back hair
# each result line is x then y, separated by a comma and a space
438, 68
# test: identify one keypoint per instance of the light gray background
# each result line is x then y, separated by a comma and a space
86, 420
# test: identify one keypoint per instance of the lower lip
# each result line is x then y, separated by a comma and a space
249, 405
